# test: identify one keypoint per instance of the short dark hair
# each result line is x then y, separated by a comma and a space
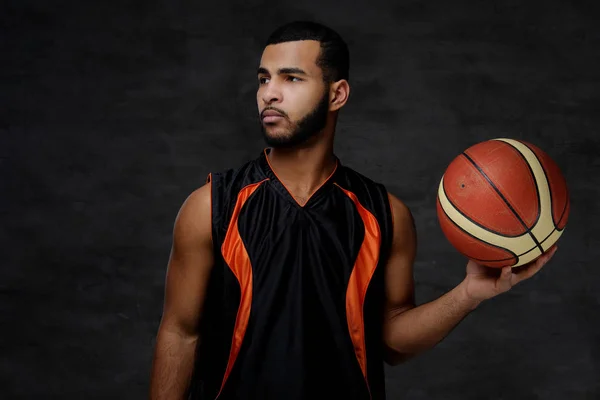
334, 59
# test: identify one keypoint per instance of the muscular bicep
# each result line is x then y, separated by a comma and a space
190, 264
399, 283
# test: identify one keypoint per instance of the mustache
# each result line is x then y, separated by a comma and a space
270, 108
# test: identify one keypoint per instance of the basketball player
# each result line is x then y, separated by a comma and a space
291, 276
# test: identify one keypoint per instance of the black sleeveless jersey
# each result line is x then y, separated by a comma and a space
294, 308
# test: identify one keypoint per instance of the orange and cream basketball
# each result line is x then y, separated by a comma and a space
503, 202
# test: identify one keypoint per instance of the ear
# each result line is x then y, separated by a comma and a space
338, 94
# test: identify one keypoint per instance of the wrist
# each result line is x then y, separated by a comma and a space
465, 298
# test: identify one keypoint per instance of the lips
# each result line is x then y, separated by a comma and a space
271, 116
271, 113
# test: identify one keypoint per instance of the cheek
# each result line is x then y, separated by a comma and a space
301, 103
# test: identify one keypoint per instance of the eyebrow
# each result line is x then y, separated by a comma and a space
288, 70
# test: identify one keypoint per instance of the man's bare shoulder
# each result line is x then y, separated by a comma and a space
402, 213
193, 221
200, 197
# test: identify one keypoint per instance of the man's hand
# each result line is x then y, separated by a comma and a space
482, 283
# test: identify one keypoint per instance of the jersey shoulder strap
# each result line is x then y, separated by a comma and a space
373, 196
225, 188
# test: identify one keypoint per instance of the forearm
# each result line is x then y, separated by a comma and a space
172, 365
421, 328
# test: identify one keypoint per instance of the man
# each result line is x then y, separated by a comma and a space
290, 277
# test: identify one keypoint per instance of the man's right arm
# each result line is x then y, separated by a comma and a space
187, 276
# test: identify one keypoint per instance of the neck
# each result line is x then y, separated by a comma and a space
303, 169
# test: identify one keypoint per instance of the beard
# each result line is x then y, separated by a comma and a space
301, 131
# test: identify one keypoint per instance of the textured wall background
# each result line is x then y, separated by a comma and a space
111, 113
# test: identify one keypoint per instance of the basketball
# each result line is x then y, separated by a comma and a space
502, 202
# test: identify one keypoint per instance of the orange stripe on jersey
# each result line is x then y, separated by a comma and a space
236, 257
364, 267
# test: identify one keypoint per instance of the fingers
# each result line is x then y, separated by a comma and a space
534, 267
505, 281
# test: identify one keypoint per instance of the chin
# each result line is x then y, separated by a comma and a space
278, 141
275, 134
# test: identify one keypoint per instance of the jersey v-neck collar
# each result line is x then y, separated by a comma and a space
276, 183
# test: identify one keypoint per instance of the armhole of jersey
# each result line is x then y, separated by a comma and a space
391, 210
392, 222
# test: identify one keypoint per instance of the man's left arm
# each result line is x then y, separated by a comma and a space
409, 329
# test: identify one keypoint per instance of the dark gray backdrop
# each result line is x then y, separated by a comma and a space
113, 112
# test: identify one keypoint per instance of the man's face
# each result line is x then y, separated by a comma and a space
293, 101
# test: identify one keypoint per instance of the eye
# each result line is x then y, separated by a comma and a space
262, 80
294, 77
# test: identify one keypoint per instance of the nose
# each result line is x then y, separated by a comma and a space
271, 93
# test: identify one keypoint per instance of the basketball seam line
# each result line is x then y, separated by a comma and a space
562, 215
555, 223
505, 201
550, 234
473, 236
535, 181
474, 222
516, 256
